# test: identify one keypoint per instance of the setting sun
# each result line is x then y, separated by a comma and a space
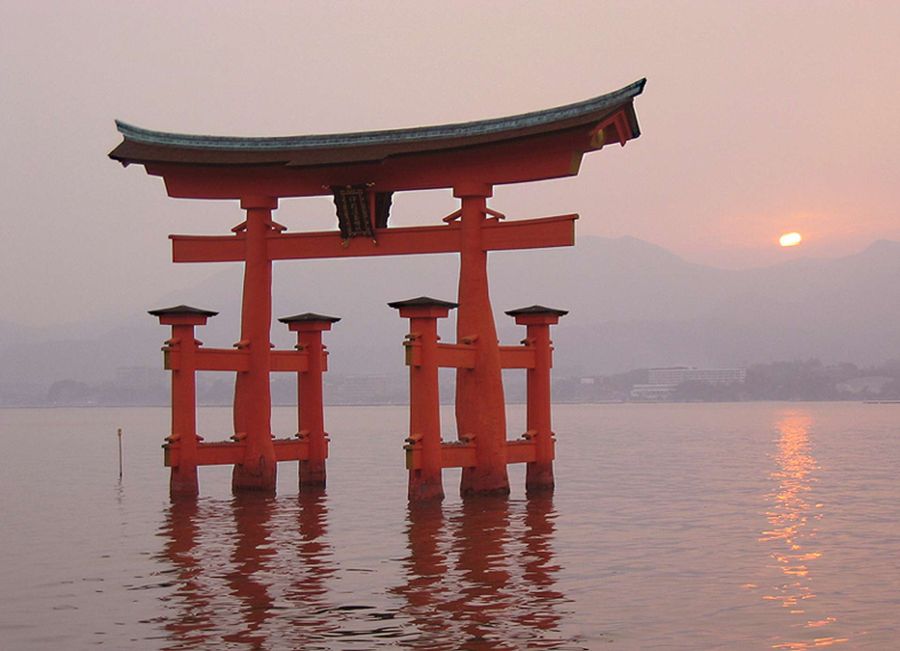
790, 239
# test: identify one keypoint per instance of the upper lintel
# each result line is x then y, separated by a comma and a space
421, 157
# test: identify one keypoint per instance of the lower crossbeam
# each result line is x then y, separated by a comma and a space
221, 453
461, 454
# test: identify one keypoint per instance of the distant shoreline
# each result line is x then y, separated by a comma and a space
447, 404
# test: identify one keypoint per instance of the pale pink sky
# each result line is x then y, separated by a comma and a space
757, 118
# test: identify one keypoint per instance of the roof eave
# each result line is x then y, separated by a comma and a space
143, 146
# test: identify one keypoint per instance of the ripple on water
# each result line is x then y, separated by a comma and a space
673, 526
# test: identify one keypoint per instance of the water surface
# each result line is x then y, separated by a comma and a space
733, 526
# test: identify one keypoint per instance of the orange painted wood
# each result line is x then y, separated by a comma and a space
208, 248
529, 159
471, 172
208, 454
252, 391
389, 241
218, 453
456, 356
224, 359
541, 232
480, 403
516, 357
291, 449
453, 455
425, 482
310, 403
183, 347
296, 361
528, 233
221, 359
521, 451
539, 474
456, 455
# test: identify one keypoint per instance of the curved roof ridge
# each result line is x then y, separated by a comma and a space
389, 136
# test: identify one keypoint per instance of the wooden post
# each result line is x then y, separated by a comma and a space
538, 319
181, 444
425, 482
252, 398
119, 437
480, 405
310, 405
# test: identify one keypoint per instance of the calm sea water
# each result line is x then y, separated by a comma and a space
733, 526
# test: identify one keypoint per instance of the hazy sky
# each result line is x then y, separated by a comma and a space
757, 118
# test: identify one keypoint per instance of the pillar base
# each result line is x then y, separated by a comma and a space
423, 488
312, 474
476, 482
539, 477
183, 482
260, 479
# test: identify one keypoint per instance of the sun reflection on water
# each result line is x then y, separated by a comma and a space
791, 534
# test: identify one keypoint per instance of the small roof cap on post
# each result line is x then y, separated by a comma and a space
537, 315
309, 321
182, 315
423, 307
423, 301
182, 310
537, 309
309, 316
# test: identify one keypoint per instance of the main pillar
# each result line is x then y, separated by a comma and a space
252, 391
480, 405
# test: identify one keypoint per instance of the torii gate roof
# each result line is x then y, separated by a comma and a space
392, 159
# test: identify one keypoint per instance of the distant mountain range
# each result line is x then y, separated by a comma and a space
633, 305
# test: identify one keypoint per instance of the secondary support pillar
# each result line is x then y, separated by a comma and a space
180, 352
538, 319
252, 395
480, 405
424, 396
310, 405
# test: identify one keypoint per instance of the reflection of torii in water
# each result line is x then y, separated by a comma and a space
192, 598
463, 587
203, 612
362, 171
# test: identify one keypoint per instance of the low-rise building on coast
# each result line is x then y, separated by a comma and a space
662, 382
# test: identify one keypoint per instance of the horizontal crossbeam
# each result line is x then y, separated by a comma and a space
496, 235
456, 356
516, 357
208, 359
292, 360
464, 356
223, 359
221, 453
462, 455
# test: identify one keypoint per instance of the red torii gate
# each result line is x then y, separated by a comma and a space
361, 171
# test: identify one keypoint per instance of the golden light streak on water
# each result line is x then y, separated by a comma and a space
652, 539
792, 518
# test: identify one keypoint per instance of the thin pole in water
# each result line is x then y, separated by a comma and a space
119, 435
